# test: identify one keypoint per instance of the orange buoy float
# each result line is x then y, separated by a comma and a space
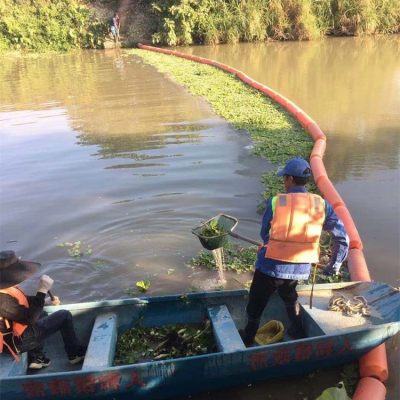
318, 150
318, 168
370, 389
329, 192
374, 364
357, 266
344, 214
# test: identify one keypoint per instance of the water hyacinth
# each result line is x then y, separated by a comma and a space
142, 344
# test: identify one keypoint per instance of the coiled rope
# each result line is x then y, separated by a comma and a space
356, 307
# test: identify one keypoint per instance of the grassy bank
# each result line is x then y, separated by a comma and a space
47, 25
230, 21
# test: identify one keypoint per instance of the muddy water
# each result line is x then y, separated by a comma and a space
98, 148
351, 87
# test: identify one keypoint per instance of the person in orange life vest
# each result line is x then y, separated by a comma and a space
291, 229
23, 325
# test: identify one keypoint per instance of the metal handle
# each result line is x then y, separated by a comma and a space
235, 235
51, 295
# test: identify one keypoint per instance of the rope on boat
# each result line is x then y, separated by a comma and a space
356, 307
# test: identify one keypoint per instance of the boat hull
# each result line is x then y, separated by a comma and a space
185, 376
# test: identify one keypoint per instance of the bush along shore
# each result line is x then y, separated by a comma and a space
62, 25
48, 25
179, 22
276, 134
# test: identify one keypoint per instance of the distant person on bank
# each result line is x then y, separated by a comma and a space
291, 230
114, 25
23, 325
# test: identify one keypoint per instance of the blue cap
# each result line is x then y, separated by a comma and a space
296, 167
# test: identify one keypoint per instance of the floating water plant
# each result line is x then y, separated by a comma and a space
237, 258
74, 249
141, 344
98, 265
212, 229
143, 286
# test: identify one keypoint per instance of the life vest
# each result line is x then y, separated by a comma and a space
17, 328
296, 227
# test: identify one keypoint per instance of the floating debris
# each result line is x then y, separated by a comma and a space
143, 286
143, 344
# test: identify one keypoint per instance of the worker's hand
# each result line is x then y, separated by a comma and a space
331, 270
55, 302
45, 283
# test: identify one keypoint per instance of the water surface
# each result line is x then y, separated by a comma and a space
102, 149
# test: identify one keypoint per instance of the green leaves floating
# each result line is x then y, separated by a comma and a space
212, 229
74, 249
141, 344
143, 286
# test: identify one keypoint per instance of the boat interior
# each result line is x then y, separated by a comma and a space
99, 323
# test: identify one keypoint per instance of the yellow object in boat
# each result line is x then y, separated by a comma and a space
271, 332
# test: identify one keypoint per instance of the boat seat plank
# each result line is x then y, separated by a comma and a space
226, 335
10, 367
102, 343
19, 368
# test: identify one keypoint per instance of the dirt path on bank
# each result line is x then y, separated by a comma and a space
135, 16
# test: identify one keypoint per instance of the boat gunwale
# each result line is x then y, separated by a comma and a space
256, 349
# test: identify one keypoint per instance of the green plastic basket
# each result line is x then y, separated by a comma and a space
224, 221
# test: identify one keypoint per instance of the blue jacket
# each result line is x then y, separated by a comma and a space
284, 270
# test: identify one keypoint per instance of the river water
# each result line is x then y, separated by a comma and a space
99, 148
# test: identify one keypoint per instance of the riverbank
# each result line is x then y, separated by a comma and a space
72, 24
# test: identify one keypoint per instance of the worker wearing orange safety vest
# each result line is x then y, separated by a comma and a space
291, 229
23, 325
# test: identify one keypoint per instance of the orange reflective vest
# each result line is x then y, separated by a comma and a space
296, 227
17, 328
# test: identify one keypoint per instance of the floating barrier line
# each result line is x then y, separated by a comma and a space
374, 364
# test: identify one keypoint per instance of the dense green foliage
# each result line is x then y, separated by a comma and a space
43, 25
141, 344
182, 22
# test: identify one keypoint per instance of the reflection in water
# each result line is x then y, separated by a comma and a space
350, 86
107, 151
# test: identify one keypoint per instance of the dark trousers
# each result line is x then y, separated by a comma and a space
32, 338
261, 289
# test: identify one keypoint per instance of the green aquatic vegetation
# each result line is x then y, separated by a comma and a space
141, 344
143, 286
212, 229
351, 376
184, 298
99, 265
334, 393
276, 134
74, 250
170, 271
236, 258
131, 292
